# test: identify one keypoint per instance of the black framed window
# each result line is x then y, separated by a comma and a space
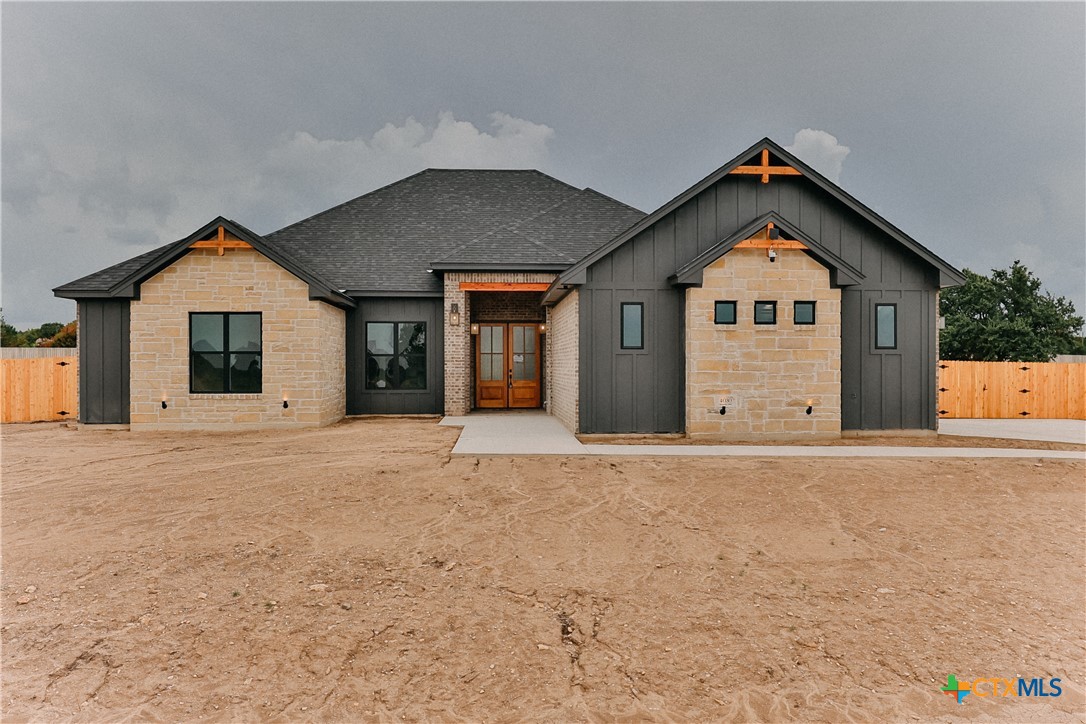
225, 352
803, 313
724, 312
633, 325
885, 326
395, 355
765, 312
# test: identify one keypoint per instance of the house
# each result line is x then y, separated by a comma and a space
763, 301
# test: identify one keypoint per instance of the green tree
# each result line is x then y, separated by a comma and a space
1006, 317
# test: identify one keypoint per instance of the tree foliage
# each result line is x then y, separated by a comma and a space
50, 334
1006, 317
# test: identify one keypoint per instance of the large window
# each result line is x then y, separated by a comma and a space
633, 325
885, 326
224, 352
395, 355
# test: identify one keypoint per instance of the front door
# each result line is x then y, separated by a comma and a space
507, 366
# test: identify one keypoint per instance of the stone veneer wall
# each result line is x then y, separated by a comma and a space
774, 371
303, 346
459, 351
563, 361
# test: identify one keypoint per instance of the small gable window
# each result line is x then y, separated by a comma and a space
633, 325
225, 352
765, 312
803, 313
724, 313
395, 355
885, 326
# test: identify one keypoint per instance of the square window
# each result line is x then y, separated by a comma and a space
225, 354
803, 313
633, 325
765, 312
885, 326
395, 355
724, 313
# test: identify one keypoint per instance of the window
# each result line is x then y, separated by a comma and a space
633, 325
224, 352
885, 326
765, 312
725, 313
803, 313
395, 355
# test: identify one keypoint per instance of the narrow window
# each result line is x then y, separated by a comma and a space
395, 355
885, 326
765, 312
803, 313
725, 313
633, 325
225, 352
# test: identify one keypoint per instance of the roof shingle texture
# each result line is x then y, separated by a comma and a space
387, 239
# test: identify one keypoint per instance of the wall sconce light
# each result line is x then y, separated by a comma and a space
454, 314
810, 406
475, 328
164, 405
723, 410
285, 403
542, 328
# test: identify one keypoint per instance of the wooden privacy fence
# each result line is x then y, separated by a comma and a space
36, 390
1019, 390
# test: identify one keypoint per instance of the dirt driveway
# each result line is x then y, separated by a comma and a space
361, 573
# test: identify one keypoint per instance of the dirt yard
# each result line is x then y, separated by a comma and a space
361, 573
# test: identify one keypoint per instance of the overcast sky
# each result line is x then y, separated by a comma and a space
126, 126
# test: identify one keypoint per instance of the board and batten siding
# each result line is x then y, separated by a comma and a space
880, 390
104, 361
361, 401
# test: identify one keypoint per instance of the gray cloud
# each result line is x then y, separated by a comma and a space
126, 125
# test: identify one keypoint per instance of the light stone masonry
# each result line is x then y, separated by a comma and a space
303, 346
773, 371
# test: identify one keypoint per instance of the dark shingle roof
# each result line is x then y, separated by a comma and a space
102, 281
387, 239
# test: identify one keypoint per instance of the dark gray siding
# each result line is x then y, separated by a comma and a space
879, 390
627, 390
361, 401
103, 361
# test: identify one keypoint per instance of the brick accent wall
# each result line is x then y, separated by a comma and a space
773, 371
303, 346
459, 347
506, 307
563, 361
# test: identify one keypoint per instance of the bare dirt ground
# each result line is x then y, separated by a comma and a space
362, 573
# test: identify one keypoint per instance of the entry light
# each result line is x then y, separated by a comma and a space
475, 328
542, 328
454, 314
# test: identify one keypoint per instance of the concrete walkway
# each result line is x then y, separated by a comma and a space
1050, 430
537, 433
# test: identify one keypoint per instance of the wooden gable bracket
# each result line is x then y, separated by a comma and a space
763, 240
765, 170
222, 242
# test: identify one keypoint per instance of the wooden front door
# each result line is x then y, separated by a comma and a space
507, 366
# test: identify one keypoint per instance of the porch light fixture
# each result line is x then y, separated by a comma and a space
475, 328
285, 403
542, 328
164, 405
454, 314
810, 406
